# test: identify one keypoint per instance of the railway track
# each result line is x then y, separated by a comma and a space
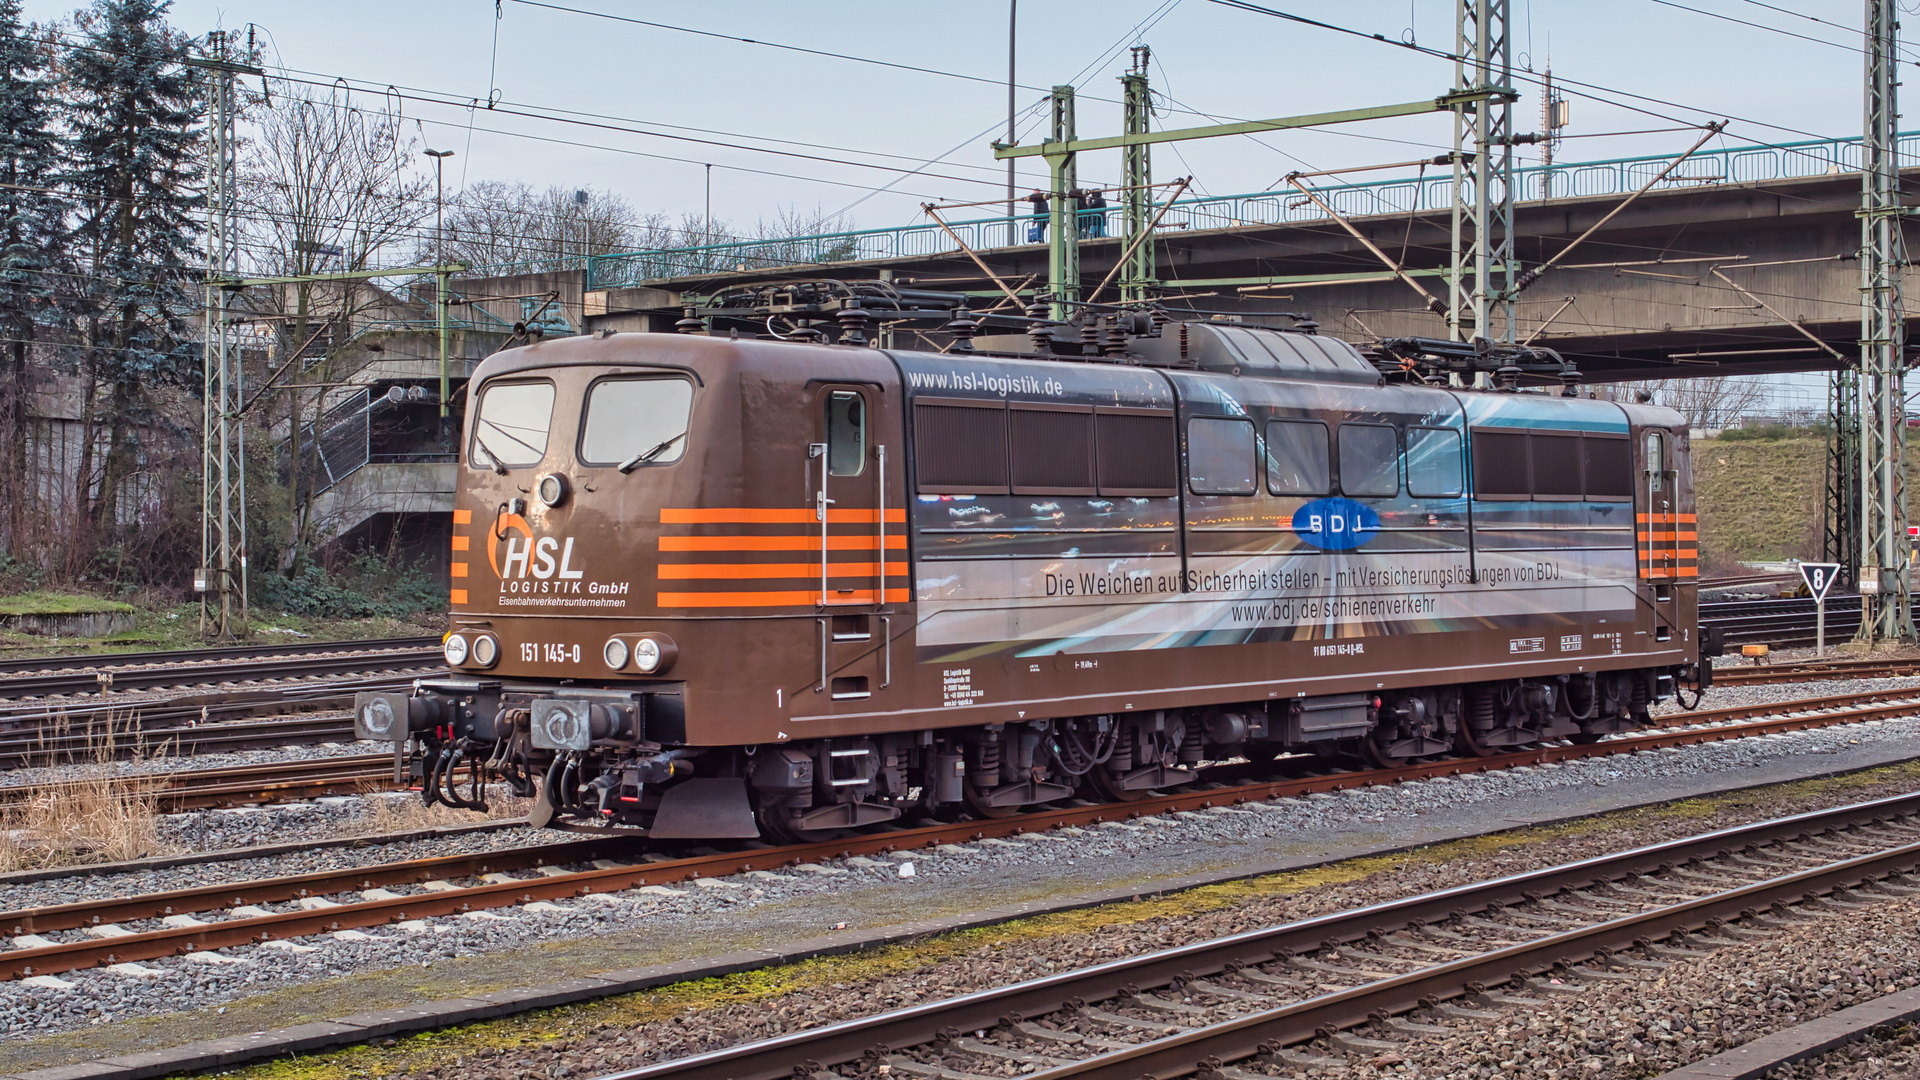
102, 661
1369, 981
367, 896
96, 680
1787, 621
1815, 671
242, 785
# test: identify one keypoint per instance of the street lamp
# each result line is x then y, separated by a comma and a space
439, 264
439, 205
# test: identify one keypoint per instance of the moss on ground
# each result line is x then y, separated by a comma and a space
50, 603
439, 1049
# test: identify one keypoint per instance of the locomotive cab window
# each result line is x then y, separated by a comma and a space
1656, 461
1297, 457
1220, 456
1433, 463
634, 422
511, 425
846, 433
1369, 460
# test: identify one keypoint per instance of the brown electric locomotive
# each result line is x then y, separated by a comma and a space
722, 587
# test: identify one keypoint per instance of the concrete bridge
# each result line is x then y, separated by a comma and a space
1709, 274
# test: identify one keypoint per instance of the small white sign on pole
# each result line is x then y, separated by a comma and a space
1819, 577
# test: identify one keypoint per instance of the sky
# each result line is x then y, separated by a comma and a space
573, 90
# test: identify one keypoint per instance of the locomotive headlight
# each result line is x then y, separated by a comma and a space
485, 651
455, 650
615, 654
552, 489
646, 655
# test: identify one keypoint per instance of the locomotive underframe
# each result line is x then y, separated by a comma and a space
618, 759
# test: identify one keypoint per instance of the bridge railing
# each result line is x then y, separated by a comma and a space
1616, 176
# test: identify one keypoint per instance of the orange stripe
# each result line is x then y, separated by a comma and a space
749, 515
1668, 518
777, 543
459, 569
459, 596
773, 599
724, 571
463, 517
460, 543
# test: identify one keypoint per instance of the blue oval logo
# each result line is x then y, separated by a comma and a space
1335, 524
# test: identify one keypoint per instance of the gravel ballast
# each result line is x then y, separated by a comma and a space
461, 954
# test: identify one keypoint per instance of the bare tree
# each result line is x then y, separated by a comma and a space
515, 228
330, 185
1706, 402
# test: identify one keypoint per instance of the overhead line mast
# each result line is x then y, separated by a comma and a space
1885, 581
221, 579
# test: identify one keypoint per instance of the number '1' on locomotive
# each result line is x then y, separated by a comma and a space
722, 587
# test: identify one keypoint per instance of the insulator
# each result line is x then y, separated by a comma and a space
853, 325
688, 324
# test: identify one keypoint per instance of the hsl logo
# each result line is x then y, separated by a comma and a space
526, 555
1335, 524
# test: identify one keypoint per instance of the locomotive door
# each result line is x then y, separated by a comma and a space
1664, 537
848, 477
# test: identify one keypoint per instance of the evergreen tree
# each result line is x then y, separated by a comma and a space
134, 112
32, 242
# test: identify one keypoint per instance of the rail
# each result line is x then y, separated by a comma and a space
1429, 190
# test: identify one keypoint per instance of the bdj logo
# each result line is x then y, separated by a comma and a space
525, 555
1335, 524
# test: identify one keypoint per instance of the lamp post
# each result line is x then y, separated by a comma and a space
440, 261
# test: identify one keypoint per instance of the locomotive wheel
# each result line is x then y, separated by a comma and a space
777, 823
971, 798
1377, 757
1104, 786
1470, 746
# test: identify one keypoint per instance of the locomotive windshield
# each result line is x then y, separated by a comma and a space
512, 424
635, 421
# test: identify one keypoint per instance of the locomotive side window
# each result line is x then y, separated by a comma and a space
1500, 465
1220, 456
1656, 461
1433, 463
1052, 450
960, 447
1297, 457
512, 423
1556, 466
633, 422
1137, 453
1609, 467
1369, 460
846, 433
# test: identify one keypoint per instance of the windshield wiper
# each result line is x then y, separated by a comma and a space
636, 460
493, 459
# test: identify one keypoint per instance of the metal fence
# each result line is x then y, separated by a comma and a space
1617, 176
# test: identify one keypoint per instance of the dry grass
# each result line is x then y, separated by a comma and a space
392, 815
104, 814
74, 822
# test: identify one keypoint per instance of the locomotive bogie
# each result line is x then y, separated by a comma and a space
707, 588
